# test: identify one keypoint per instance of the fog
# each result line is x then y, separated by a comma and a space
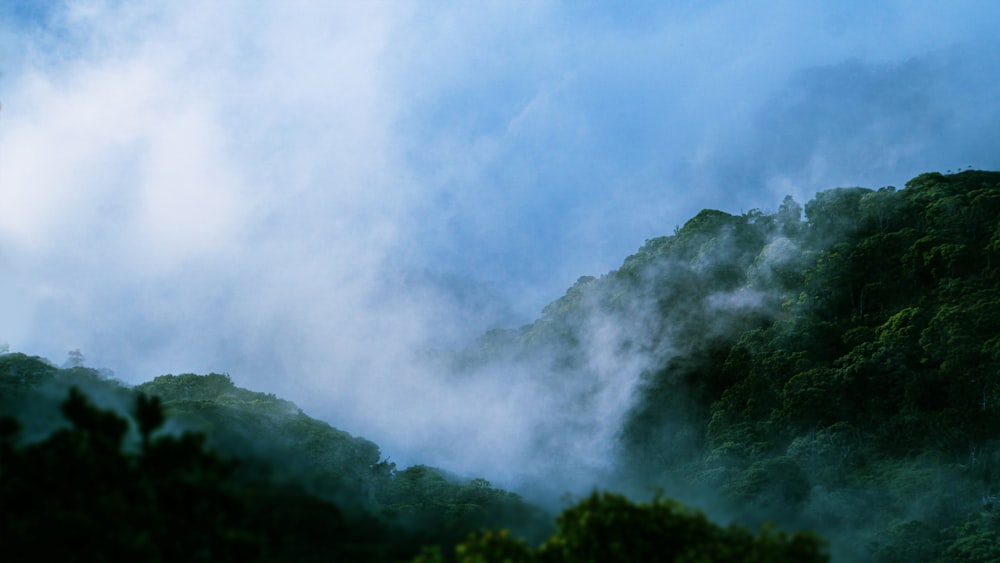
313, 196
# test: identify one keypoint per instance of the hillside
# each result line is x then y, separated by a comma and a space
837, 371
831, 366
193, 468
198, 469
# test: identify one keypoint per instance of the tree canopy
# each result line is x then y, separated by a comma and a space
830, 366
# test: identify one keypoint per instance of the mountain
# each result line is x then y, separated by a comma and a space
189, 467
832, 366
838, 371
261, 481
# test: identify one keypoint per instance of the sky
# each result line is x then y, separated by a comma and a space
310, 195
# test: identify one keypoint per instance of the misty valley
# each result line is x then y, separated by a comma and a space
817, 382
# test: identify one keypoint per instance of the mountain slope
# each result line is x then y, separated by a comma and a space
241, 475
839, 371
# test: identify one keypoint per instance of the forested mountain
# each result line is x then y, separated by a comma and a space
831, 367
261, 481
838, 371
192, 467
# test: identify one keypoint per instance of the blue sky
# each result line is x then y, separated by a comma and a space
302, 194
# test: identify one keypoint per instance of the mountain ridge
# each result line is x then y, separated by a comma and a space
835, 372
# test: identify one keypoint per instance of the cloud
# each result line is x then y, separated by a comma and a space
309, 195
587, 113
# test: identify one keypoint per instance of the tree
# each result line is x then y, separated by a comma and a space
74, 359
789, 218
609, 528
81, 495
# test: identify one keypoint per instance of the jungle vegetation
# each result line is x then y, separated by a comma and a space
831, 368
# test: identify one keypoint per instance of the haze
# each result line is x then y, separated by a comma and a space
311, 196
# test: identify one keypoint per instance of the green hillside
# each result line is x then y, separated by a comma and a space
192, 467
832, 366
837, 371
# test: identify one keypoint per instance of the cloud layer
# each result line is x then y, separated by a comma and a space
307, 195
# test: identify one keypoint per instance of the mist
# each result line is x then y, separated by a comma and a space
315, 198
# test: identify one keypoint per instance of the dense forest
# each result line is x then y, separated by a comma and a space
836, 371
831, 368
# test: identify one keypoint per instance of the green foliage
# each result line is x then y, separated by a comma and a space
19, 370
302, 490
79, 495
912, 540
494, 547
608, 528
841, 373
865, 368
976, 539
